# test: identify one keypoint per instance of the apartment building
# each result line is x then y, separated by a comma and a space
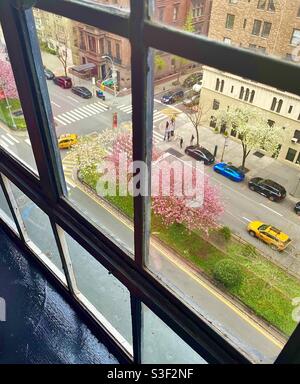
269, 26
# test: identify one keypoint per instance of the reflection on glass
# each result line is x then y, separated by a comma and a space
5, 212
13, 131
38, 229
88, 75
109, 298
163, 346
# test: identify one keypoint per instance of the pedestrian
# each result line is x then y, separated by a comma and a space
192, 139
166, 131
181, 143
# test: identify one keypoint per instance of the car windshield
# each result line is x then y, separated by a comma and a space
232, 168
263, 227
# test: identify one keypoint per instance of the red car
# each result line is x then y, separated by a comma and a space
63, 81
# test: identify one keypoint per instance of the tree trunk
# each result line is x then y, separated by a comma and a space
197, 136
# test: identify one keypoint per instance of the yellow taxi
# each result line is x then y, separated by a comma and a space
272, 236
67, 140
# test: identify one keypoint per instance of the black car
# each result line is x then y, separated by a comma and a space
268, 188
194, 78
297, 208
200, 153
49, 74
172, 97
82, 92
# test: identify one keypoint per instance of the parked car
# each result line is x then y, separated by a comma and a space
268, 188
82, 92
63, 81
49, 74
230, 171
194, 78
272, 236
172, 97
297, 208
200, 153
67, 140
191, 101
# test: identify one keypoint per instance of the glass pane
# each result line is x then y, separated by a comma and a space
92, 111
109, 298
38, 231
213, 254
163, 346
123, 5
13, 131
5, 212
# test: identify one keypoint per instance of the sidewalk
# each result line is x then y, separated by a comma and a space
265, 166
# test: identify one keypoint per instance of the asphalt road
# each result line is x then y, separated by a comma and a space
86, 116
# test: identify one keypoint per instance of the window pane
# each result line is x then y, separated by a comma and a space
38, 231
107, 297
163, 346
124, 5
13, 131
208, 115
92, 111
5, 212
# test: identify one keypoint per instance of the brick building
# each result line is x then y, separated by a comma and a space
269, 26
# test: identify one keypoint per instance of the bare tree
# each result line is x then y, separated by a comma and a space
62, 39
196, 115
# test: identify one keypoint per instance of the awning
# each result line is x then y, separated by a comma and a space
84, 67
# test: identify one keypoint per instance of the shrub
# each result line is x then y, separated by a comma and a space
216, 130
225, 232
248, 250
228, 273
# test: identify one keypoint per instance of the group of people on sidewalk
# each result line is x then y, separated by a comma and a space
170, 132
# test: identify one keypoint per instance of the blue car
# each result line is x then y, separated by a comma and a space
229, 171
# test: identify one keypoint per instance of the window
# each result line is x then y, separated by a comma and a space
266, 29
271, 6
298, 12
290, 109
222, 86
175, 12
274, 103
279, 106
291, 154
213, 122
92, 43
256, 27
245, 24
229, 21
216, 104
217, 84
261, 4
118, 55
242, 93
109, 47
227, 40
161, 12
252, 96
271, 123
295, 40
247, 94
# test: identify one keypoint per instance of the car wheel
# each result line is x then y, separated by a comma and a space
274, 247
272, 198
252, 233
252, 187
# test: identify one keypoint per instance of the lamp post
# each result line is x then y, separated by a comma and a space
225, 145
113, 75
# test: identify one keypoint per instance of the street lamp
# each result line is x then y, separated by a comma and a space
113, 75
225, 145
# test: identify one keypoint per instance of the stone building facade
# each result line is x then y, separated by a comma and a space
268, 26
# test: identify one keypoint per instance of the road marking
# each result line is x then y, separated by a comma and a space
245, 218
270, 209
14, 139
72, 98
59, 121
70, 114
194, 277
83, 113
27, 141
102, 104
77, 114
71, 183
58, 106
97, 108
89, 110
7, 140
3, 144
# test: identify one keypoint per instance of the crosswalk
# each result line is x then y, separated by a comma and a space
157, 115
81, 113
7, 140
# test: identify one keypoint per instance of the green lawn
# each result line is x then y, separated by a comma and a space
5, 116
265, 288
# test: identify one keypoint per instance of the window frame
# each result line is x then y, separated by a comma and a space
49, 190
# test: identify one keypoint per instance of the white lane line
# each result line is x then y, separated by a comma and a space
80, 113
59, 121
71, 183
245, 218
77, 114
88, 113
97, 108
65, 119
158, 135
58, 106
270, 209
7, 140
158, 118
11, 137
70, 114
72, 98
27, 141
120, 106
89, 110
3, 144
102, 105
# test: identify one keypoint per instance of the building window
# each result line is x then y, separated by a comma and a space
271, 123
217, 84
271, 6
161, 13
266, 29
175, 12
291, 154
298, 12
109, 47
274, 103
92, 43
252, 96
222, 86
229, 21
295, 40
245, 23
232, 89
279, 106
216, 104
213, 122
261, 4
290, 109
118, 55
101, 43
227, 40
247, 94
256, 27
242, 93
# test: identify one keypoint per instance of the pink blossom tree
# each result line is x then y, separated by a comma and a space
7, 80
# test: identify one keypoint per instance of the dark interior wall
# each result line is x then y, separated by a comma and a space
40, 325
